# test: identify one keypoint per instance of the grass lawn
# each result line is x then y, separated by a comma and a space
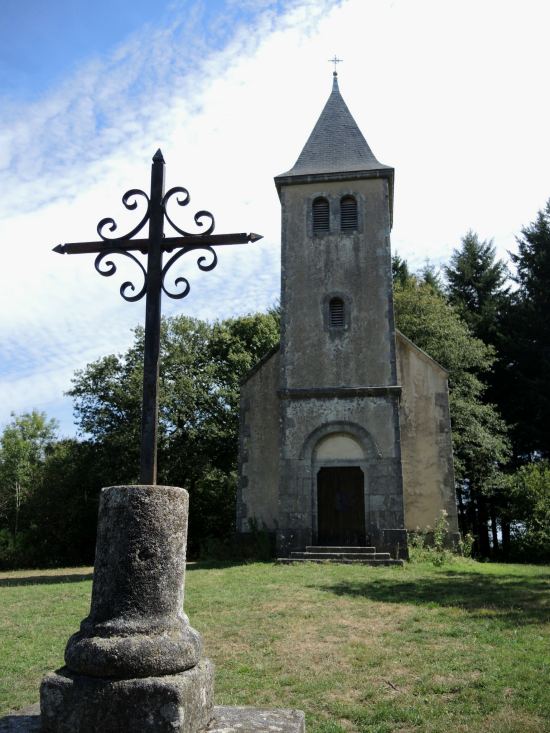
461, 648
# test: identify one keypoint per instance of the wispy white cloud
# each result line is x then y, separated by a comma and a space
448, 93
68, 158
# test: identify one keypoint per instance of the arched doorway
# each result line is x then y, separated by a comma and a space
339, 490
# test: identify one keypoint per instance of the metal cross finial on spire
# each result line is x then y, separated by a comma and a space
335, 61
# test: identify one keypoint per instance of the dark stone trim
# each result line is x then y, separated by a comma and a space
334, 200
364, 438
286, 180
309, 201
394, 541
338, 392
337, 176
336, 330
242, 458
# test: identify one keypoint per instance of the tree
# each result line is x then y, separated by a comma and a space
479, 434
23, 446
430, 275
201, 368
63, 512
530, 493
399, 269
476, 286
527, 342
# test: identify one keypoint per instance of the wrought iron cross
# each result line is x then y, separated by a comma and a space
154, 280
335, 61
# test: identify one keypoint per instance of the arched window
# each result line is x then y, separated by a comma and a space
320, 215
336, 313
348, 213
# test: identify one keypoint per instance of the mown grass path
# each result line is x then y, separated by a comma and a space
461, 648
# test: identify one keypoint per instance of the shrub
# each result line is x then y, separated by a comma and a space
432, 545
530, 491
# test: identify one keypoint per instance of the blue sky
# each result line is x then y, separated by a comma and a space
43, 42
452, 94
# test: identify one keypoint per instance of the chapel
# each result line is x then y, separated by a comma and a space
345, 436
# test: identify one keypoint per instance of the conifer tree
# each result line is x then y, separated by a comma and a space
431, 276
399, 269
476, 286
527, 342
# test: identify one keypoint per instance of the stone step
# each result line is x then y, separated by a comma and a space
343, 548
340, 556
364, 561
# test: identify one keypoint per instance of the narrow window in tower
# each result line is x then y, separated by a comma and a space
348, 213
320, 216
336, 313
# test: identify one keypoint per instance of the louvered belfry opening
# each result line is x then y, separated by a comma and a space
348, 213
320, 216
336, 313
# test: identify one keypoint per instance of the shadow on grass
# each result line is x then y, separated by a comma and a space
45, 579
20, 724
221, 564
24, 721
64, 577
512, 599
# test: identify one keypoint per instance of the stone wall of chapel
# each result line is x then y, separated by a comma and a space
377, 419
257, 494
352, 265
426, 447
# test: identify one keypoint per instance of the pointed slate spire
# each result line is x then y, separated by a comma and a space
336, 144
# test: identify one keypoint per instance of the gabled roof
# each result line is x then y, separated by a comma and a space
336, 148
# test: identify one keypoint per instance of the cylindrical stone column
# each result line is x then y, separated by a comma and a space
135, 663
136, 626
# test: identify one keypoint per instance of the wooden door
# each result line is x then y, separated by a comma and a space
340, 506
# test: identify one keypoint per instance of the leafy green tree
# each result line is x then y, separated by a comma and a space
527, 342
23, 446
201, 368
530, 493
63, 512
107, 409
425, 317
479, 434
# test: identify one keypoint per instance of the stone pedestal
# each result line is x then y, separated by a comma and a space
135, 664
174, 702
225, 720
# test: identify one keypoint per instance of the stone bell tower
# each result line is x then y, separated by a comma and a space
345, 435
340, 437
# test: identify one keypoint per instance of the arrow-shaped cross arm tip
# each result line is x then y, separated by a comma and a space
253, 237
60, 249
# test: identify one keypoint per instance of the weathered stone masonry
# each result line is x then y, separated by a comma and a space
343, 391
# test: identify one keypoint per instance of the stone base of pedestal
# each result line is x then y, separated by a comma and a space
177, 703
255, 720
225, 720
